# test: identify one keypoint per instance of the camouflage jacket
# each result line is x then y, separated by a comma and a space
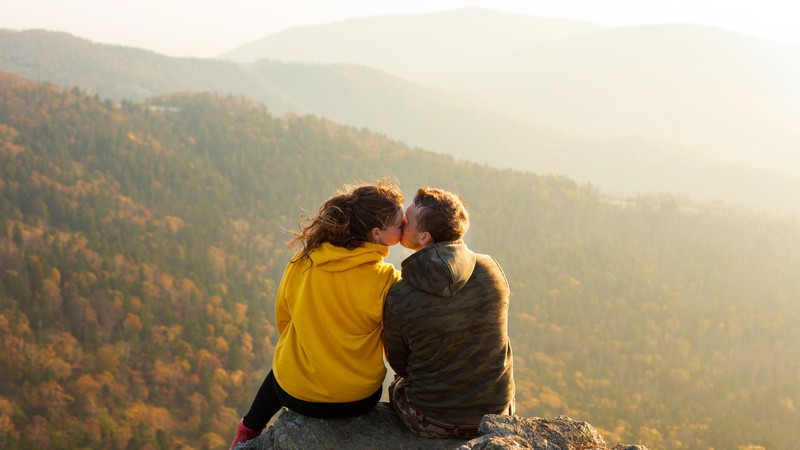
445, 331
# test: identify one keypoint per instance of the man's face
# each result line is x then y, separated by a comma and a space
413, 238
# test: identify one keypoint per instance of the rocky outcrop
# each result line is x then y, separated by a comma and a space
560, 433
381, 429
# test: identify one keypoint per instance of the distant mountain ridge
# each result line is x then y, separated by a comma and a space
122, 72
730, 96
420, 116
416, 46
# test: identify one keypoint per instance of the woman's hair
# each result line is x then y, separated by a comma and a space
346, 219
441, 213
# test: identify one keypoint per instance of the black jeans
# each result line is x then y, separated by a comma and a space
271, 398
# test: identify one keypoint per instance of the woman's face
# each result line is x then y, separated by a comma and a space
391, 235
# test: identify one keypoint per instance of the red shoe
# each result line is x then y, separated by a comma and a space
243, 434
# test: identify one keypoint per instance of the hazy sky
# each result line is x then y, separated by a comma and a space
206, 28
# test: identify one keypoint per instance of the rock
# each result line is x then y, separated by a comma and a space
561, 433
378, 429
496, 443
381, 429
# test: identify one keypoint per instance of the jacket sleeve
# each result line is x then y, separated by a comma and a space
393, 341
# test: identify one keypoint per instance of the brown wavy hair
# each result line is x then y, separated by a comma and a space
441, 213
346, 219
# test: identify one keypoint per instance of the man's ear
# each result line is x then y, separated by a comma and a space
426, 238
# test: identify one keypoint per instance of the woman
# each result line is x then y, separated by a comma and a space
328, 362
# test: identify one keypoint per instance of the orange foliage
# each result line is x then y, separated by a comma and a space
6, 423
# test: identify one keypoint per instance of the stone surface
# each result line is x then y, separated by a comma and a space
378, 429
560, 433
381, 429
496, 443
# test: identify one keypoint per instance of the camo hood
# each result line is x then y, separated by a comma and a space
441, 269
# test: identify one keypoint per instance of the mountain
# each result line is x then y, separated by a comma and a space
415, 47
425, 117
728, 96
142, 243
731, 97
121, 72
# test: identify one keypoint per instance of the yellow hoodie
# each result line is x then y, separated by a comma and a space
329, 312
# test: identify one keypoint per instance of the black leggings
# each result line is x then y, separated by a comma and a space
271, 397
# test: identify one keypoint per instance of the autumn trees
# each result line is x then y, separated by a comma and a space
140, 247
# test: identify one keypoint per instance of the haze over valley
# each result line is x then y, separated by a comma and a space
732, 97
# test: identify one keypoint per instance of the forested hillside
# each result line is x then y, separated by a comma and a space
141, 245
436, 120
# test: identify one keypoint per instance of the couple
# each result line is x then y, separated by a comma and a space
339, 305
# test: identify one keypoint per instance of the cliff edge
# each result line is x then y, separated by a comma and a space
381, 429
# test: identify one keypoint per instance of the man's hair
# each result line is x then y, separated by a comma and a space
441, 213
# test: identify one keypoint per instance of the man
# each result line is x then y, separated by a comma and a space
445, 325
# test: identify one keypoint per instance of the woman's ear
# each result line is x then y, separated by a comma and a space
375, 234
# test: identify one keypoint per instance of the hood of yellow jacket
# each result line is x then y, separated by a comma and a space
336, 259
